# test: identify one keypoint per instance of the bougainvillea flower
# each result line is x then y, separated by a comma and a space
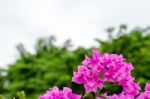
55, 93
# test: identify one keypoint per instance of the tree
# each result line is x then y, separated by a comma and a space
49, 66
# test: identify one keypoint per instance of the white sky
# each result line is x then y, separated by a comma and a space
23, 21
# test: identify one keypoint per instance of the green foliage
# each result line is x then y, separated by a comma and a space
111, 88
2, 80
18, 95
1, 97
48, 66
89, 96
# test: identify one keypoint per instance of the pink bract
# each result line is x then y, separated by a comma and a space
55, 93
112, 68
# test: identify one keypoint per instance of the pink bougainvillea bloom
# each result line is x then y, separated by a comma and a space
80, 76
131, 89
52, 94
146, 94
92, 82
87, 77
67, 94
106, 68
90, 62
115, 96
147, 87
120, 96
55, 93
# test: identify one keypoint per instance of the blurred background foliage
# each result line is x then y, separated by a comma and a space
53, 65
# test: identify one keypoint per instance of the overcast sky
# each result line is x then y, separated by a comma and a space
23, 21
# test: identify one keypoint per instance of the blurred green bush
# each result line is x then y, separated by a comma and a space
53, 65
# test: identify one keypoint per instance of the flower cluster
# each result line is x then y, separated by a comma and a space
111, 67
95, 71
98, 70
55, 93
